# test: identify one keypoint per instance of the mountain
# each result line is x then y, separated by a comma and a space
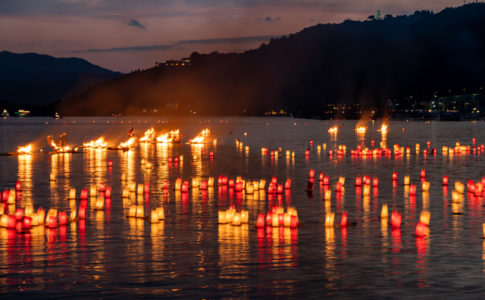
370, 62
35, 79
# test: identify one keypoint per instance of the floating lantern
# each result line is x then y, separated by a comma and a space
51, 221
73, 215
178, 184
326, 180
329, 220
107, 194
425, 217
327, 195
341, 180
279, 189
11, 197
4, 221
52, 177
459, 187
406, 180
275, 220
343, 219
396, 220
27, 223
288, 184
375, 182
425, 186
231, 183
269, 218
412, 189
210, 182
358, 181
423, 173
41, 215
394, 176
18, 186
140, 213
244, 217
422, 230
384, 212
321, 176
132, 211
62, 218
125, 193
203, 185
154, 217
161, 213
311, 174
236, 219
445, 180
19, 214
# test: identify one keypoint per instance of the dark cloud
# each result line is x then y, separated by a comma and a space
270, 19
179, 44
136, 23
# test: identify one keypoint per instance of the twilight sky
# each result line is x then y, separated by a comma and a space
125, 35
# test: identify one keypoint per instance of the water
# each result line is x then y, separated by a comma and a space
190, 255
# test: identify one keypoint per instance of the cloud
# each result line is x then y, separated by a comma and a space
181, 43
269, 19
136, 23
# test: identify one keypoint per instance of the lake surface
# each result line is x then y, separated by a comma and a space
190, 255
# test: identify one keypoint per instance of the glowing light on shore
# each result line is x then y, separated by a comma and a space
333, 130
99, 143
25, 149
201, 138
383, 129
360, 129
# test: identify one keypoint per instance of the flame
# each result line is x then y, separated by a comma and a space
201, 137
25, 149
383, 128
130, 142
57, 148
99, 143
148, 136
170, 137
360, 129
333, 129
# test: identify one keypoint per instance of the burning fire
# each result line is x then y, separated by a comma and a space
25, 149
383, 128
201, 137
130, 142
57, 148
333, 129
360, 129
170, 137
148, 136
99, 143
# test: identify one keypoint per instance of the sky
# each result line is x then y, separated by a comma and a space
126, 35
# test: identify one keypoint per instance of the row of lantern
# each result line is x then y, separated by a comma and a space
233, 217
277, 217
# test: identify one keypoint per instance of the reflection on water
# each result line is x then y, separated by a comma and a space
122, 250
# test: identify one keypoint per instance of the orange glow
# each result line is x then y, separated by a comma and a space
201, 138
170, 137
130, 142
383, 129
333, 130
25, 149
57, 148
148, 136
99, 143
360, 129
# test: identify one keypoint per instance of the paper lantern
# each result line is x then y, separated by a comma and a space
320, 177
203, 185
40, 215
384, 212
425, 186
423, 173
311, 174
107, 194
140, 212
275, 220
244, 217
412, 189
236, 219
73, 215
281, 219
406, 180
82, 213
154, 217
425, 217
4, 221
62, 218
396, 220
287, 219
459, 187
445, 180
185, 187
326, 180
375, 182
288, 184
19, 214
269, 218
51, 221
327, 195
421, 230
358, 181
329, 219
178, 184
260, 221
18, 186
238, 187
394, 176
343, 219
341, 180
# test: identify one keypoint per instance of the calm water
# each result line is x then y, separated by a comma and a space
190, 255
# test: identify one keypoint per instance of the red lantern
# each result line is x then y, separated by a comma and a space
82, 213
147, 187
269, 218
311, 173
366, 179
326, 180
281, 219
62, 218
84, 194
107, 194
338, 188
203, 185
19, 214
27, 223
421, 229
231, 183
321, 176
18, 186
5, 195
238, 186
375, 182
274, 180
271, 188
423, 173
412, 189
185, 187
288, 184
358, 181
307, 153
396, 220
428, 143
294, 222
343, 220
102, 187
11, 222
394, 176
51, 222
260, 221
445, 180
280, 189
110, 163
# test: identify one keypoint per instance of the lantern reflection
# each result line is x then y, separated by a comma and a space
25, 177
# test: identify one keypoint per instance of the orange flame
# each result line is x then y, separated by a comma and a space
360, 129
130, 142
99, 143
25, 149
148, 136
170, 137
333, 129
201, 137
